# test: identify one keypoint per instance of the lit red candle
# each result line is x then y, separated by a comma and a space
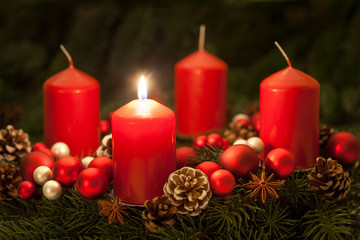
201, 92
72, 110
289, 114
144, 145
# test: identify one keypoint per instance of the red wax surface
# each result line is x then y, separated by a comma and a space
72, 111
144, 146
289, 115
201, 94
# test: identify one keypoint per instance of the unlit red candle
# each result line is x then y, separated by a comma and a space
289, 115
144, 144
72, 110
200, 92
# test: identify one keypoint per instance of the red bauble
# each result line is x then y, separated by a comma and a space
38, 146
26, 190
255, 120
104, 127
239, 160
244, 121
208, 167
91, 183
66, 170
200, 141
183, 156
215, 140
33, 160
343, 147
225, 145
105, 165
222, 182
48, 151
280, 162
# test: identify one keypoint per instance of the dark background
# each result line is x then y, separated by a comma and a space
115, 41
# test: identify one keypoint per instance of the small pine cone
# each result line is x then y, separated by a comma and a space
189, 190
230, 136
159, 212
105, 149
325, 132
252, 108
14, 145
329, 180
9, 180
239, 131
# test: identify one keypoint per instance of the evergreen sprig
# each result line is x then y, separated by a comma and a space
276, 221
298, 214
327, 221
296, 193
231, 213
206, 153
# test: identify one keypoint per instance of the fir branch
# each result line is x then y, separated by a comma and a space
276, 221
205, 153
229, 215
327, 221
253, 233
187, 227
17, 209
296, 193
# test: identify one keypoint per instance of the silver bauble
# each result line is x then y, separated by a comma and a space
256, 143
60, 150
52, 190
240, 141
240, 116
42, 174
86, 161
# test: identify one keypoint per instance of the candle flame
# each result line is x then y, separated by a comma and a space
142, 88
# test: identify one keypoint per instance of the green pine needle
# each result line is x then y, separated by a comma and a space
229, 215
206, 153
276, 221
327, 221
296, 192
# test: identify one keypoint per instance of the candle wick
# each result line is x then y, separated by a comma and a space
71, 64
283, 53
202, 37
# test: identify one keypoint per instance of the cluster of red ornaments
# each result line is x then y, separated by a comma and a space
235, 162
238, 160
39, 167
213, 139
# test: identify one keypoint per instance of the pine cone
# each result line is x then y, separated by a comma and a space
252, 108
105, 149
159, 212
9, 180
14, 145
189, 190
329, 180
239, 131
325, 133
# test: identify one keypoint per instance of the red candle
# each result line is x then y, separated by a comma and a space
71, 110
289, 114
144, 145
201, 92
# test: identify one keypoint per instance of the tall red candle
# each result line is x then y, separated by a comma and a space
201, 92
144, 144
289, 114
72, 110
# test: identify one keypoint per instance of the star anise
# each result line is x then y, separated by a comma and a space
112, 210
265, 188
